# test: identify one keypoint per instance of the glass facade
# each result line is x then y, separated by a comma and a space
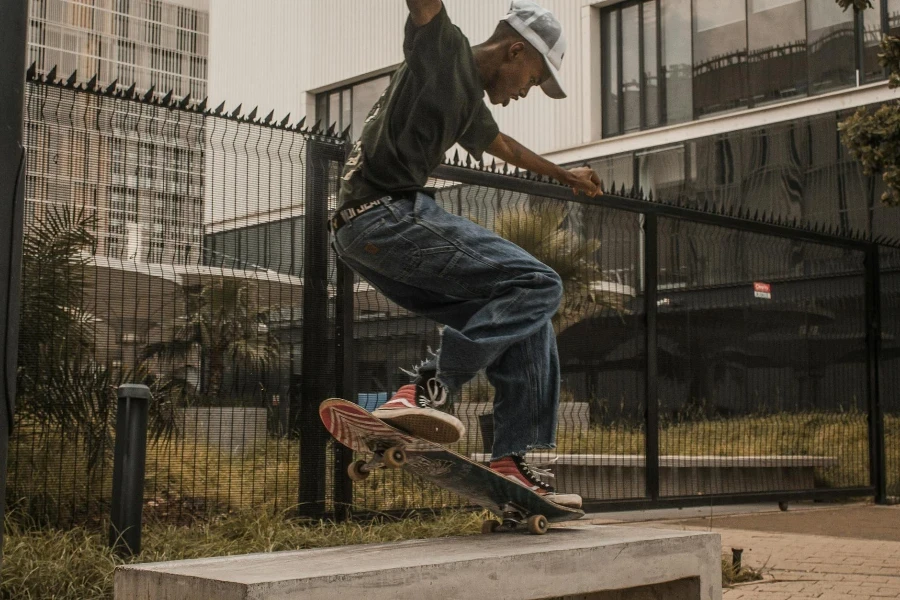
276, 246
796, 169
670, 61
349, 106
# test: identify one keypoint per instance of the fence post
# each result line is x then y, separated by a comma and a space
651, 284
877, 460
317, 370
13, 29
128, 469
346, 382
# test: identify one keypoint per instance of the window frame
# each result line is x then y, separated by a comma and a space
614, 12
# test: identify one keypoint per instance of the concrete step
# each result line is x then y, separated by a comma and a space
578, 561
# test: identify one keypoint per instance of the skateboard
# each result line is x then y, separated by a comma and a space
391, 448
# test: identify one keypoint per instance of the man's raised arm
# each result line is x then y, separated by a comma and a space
423, 11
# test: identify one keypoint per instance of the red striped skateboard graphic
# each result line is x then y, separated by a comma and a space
516, 506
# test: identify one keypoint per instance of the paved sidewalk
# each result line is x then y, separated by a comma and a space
858, 558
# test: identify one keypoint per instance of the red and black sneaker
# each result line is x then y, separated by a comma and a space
414, 409
515, 468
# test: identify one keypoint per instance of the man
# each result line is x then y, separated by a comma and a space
494, 299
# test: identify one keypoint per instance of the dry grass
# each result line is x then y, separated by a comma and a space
50, 564
186, 480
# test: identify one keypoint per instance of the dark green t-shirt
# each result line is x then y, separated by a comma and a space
435, 100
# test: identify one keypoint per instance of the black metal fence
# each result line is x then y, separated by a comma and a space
757, 340
706, 357
177, 246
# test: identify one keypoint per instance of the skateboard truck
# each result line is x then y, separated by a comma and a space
390, 458
513, 517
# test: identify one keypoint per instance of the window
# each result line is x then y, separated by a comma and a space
872, 34
646, 65
777, 49
893, 17
350, 106
120, 19
831, 46
670, 61
720, 55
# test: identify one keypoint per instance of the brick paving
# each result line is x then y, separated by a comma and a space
853, 565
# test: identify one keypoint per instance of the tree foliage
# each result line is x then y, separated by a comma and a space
61, 386
856, 4
541, 231
873, 136
224, 323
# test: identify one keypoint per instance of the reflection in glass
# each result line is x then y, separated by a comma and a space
676, 60
346, 109
365, 95
777, 45
631, 67
720, 55
661, 172
651, 66
893, 11
609, 25
872, 43
334, 111
831, 52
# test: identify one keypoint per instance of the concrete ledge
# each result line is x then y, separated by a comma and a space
575, 561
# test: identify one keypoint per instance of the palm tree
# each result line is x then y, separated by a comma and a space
222, 323
540, 231
61, 386
54, 328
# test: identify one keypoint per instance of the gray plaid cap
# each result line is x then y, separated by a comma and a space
543, 31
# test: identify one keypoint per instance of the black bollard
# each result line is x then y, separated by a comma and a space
128, 470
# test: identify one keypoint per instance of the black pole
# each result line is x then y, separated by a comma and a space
317, 377
651, 284
126, 512
13, 28
877, 460
346, 385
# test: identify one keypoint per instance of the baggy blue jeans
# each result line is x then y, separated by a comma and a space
494, 299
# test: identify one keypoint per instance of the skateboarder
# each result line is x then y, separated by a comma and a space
494, 299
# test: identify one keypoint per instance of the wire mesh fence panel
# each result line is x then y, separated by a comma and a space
889, 367
762, 353
166, 245
186, 249
596, 251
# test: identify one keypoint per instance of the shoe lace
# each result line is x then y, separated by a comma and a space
532, 474
433, 394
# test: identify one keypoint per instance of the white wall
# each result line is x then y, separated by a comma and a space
260, 54
273, 54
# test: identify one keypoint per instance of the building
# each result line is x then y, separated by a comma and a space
145, 187
658, 91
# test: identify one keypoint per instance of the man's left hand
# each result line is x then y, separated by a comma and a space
583, 179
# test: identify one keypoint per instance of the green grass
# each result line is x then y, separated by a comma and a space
50, 564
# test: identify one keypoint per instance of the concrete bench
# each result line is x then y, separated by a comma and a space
582, 561
615, 476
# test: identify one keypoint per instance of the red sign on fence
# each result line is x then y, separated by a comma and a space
762, 290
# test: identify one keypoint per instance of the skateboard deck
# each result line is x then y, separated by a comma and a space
360, 430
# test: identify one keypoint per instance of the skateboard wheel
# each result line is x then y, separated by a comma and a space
490, 526
538, 524
395, 458
783, 506
355, 471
